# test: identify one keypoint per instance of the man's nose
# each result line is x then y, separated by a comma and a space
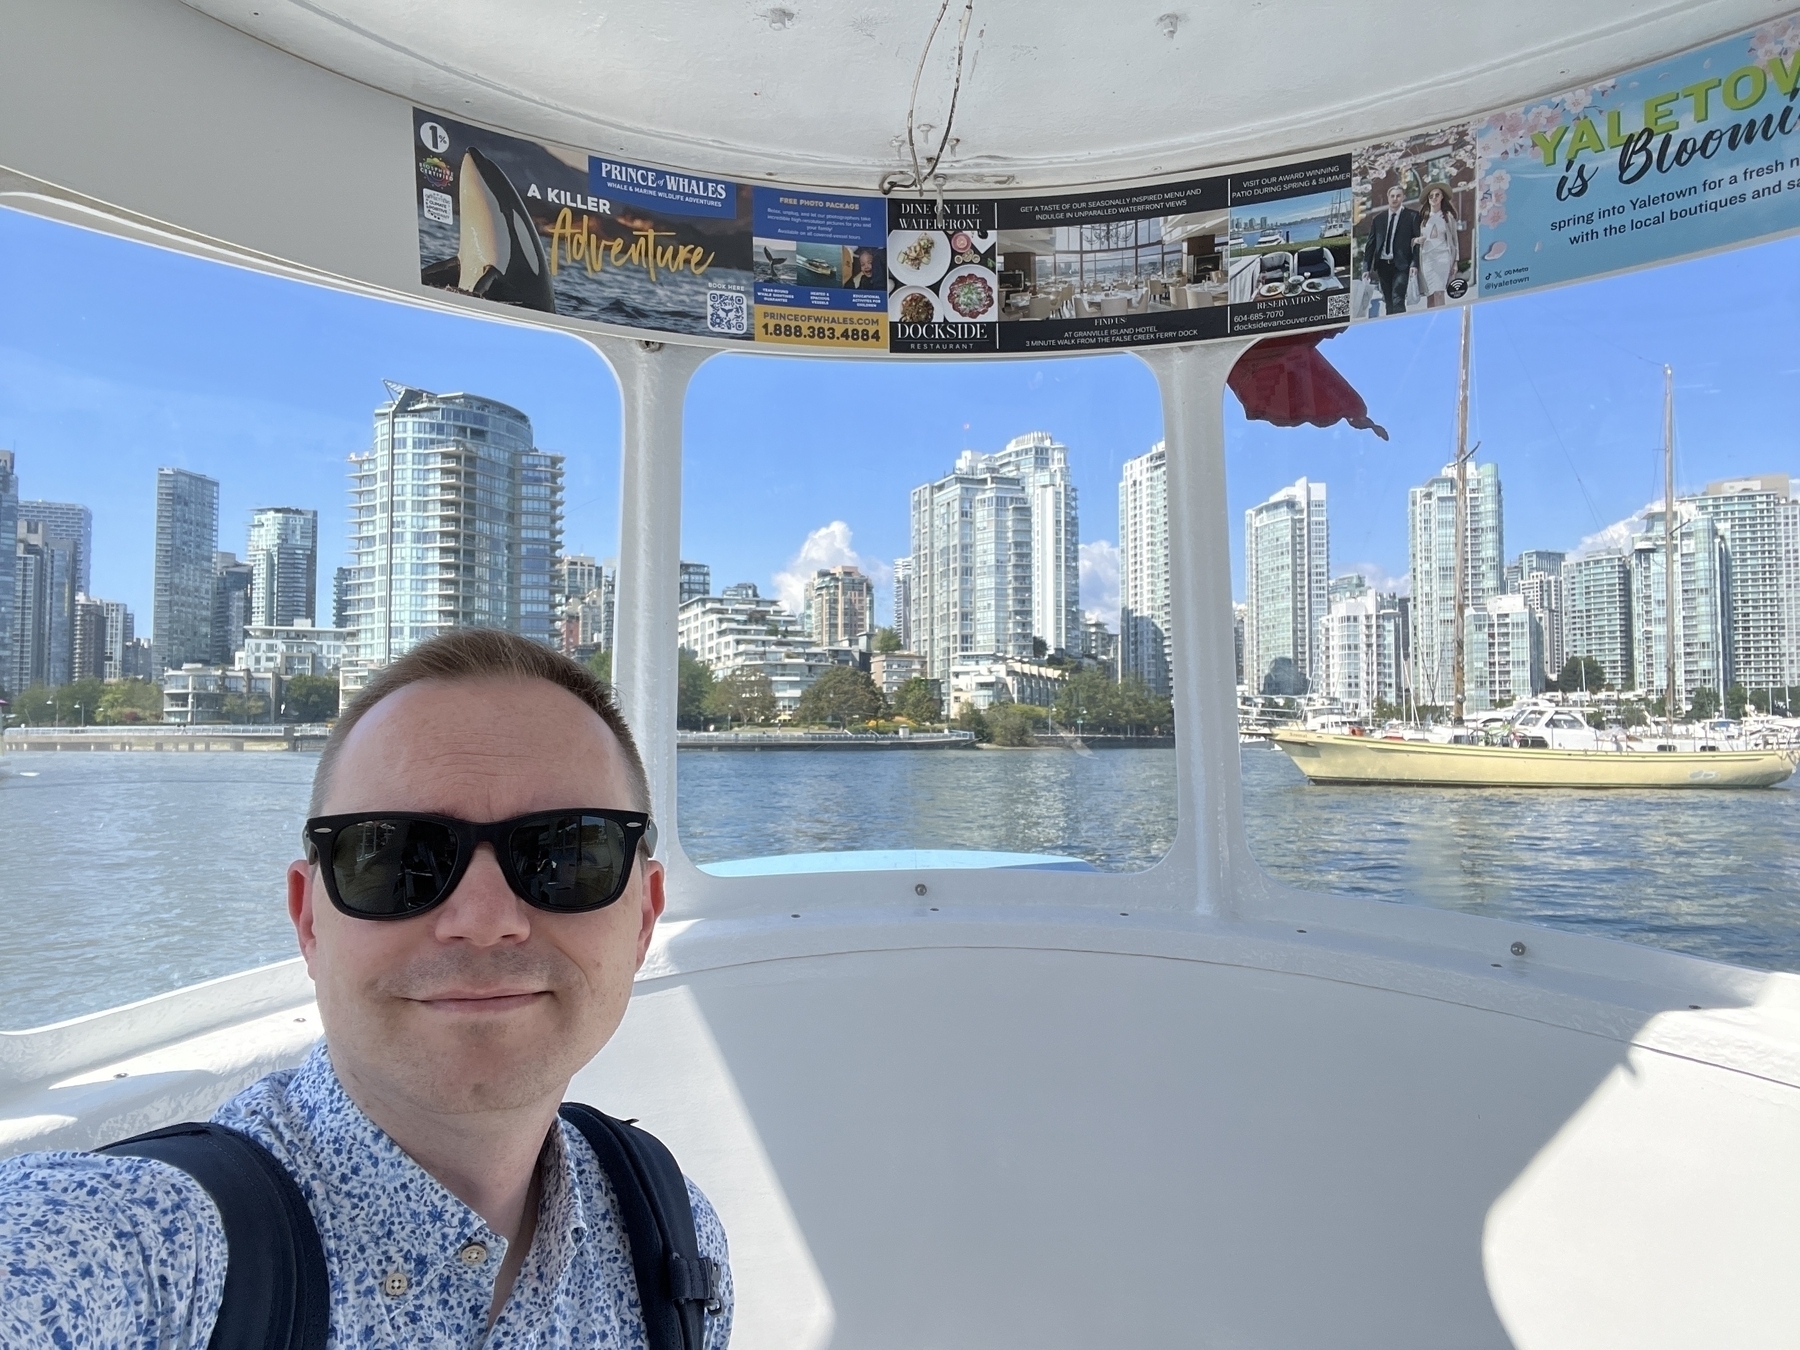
483, 909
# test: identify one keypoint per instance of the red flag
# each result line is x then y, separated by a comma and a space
1284, 380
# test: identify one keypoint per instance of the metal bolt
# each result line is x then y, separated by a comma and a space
1518, 949
919, 889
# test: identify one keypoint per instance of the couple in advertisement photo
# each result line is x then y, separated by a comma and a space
1410, 253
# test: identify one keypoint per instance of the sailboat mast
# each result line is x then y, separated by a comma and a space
1671, 599
1462, 518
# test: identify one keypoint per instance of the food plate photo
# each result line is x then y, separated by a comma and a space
915, 304
970, 293
918, 257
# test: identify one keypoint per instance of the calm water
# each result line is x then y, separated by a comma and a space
124, 875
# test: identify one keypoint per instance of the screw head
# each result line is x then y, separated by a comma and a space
1518, 949
919, 889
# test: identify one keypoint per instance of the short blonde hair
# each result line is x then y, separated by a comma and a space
477, 654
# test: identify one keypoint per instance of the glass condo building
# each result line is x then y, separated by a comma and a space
456, 522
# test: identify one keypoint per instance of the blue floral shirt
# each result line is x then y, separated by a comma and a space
100, 1251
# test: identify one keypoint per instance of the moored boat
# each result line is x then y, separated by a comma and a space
1326, 758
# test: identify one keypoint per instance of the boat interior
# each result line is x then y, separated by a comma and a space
972, 1106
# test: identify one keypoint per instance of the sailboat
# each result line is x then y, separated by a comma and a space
1623, 762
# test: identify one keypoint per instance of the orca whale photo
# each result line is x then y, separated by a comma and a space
500, 255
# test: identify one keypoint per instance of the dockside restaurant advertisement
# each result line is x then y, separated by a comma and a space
943, 290
1108, 269
1289, 248
1696, 152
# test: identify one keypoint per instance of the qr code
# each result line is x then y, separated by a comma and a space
727, 312
1337, 306
437, 207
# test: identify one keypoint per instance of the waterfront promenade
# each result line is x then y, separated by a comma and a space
155, 736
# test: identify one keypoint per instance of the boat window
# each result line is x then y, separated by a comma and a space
185, 452
909, 592
1345, 570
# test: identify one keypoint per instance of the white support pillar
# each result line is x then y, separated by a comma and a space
1204, 679
653, 382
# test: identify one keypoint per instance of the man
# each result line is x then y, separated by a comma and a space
455, 1209
1388, 254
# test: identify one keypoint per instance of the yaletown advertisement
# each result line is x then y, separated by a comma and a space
1691, 154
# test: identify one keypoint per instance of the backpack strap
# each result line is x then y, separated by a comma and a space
676, 1286
277, 1295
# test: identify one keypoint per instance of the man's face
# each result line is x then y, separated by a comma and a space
1396, 199
483, 1003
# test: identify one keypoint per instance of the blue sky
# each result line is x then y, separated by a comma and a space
116, 358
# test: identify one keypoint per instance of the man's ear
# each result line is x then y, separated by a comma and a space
651, 908
302, 879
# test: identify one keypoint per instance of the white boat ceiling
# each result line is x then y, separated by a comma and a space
1053, 95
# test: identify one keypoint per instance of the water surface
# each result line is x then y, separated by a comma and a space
126, 875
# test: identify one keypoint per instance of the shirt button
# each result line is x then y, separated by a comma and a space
396, 1285
472, 1254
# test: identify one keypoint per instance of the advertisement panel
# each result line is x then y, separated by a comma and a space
1689, 154
1288, 254
1118, 269
943, 283
1413, 233
821, 269
550, 229
1696, 152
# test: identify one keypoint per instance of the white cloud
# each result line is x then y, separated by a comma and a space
1379, 578
1100, 581
827, 546
1617, 535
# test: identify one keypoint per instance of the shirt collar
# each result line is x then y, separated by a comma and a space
374, 1196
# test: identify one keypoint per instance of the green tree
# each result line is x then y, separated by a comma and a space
971, 719
1580, 673
1596, 719
887, 640
745, 695
244, 709
920, 700
310, 698
1090, 701
1011, 723
1706, 704
601, 664
127, 702
694, 684
1633, 715
67, 705
1736, 698
842, 696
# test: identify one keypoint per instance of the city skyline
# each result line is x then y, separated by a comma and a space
123, 365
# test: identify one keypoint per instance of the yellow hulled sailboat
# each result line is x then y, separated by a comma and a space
1326, 757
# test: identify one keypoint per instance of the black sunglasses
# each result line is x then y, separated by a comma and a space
395, 864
